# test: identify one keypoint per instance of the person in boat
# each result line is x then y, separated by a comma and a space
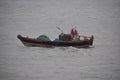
74, 34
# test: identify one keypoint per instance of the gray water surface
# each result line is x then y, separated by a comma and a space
32, 18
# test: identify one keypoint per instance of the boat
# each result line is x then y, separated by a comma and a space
33, 42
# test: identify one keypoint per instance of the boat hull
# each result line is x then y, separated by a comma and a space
30, 42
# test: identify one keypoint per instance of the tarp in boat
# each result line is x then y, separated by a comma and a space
64, 37
43, 37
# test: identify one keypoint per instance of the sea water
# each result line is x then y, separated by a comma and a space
32, 18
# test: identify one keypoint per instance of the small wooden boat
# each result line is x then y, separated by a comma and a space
32, 42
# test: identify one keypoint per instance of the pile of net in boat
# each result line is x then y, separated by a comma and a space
43, 37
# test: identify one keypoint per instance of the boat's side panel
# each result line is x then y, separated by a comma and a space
34, 45
66, 43
49, 46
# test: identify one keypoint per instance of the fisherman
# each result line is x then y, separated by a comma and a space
74, 34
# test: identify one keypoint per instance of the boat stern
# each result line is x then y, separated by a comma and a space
91, 40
